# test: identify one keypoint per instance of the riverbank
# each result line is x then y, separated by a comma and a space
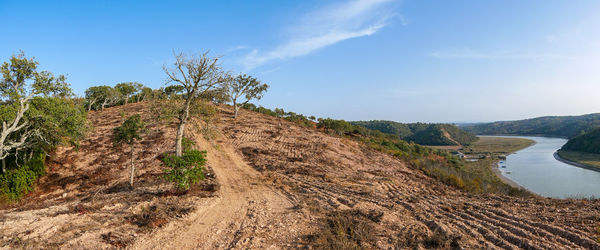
487, 152
573, 163
505, 179
496, 146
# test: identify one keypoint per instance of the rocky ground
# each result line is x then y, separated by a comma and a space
274, 184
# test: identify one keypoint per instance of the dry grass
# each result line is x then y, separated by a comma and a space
451, 148
592, 160
346, 230
498, 145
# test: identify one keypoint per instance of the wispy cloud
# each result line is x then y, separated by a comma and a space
236, 48
324, 27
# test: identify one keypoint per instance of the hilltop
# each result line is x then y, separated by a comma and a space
553, 126
588, 143
274, 183
422, 133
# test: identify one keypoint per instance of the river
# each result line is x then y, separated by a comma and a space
536, 169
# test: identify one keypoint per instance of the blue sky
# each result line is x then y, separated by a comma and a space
408, 61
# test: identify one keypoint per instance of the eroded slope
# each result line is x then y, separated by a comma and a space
405, 208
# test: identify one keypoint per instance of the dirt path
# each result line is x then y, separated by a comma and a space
231, 218
447, 135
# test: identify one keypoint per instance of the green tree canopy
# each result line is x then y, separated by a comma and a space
128, 133
244, 86
23, 126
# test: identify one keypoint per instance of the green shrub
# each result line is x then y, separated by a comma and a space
186, 170
339, 127
19, 181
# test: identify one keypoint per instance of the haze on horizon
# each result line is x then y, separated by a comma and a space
407, 61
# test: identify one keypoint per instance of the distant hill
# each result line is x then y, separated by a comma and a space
556, 126
588, 143
422, 133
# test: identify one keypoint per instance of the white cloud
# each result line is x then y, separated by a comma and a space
324, 27
236, 48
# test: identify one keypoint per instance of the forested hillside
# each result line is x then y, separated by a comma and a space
422, 133
558, 126
588, 142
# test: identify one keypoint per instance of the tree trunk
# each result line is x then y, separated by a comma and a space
126, 99
4, 165
179, 139
182, 120
90, 106
132, 169
103, 104
235, 109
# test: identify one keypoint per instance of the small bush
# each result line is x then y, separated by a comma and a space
186, 170
346, 230
19, 181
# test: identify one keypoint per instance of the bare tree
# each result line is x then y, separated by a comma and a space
196, 74
244, 86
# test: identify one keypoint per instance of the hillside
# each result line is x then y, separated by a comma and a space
422, 133
554, 126
275, 184
588, 143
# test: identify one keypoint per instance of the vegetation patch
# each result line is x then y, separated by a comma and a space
158, 214
278, 112
185, 170
18, 181
422, 133
346, 230
554, 126
585, 143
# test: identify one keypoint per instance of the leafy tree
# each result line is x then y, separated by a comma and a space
99, 94
20, 83
174, 91
146, 93
216, 95
196, 74
128, 133
244, 86
138, 90
126, 89
102, 95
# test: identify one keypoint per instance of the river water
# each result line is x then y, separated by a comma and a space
536, 169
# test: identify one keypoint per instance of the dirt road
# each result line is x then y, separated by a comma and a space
233, 218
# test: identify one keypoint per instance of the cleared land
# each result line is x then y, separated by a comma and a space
587, 159
281, 186
498, 145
